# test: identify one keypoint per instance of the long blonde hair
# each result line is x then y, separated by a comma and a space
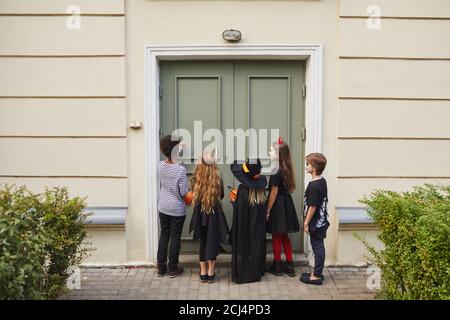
207, 186
256, 196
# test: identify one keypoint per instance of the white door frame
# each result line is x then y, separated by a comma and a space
313, 54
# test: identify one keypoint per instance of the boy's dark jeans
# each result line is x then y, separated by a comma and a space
319, 254
171, 228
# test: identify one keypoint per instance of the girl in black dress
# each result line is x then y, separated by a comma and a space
281, 214
208, 220
248, 232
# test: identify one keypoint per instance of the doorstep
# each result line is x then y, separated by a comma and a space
224, 260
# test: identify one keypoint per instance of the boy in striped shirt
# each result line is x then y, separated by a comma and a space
171, 206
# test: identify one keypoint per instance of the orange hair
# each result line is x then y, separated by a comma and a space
206, 185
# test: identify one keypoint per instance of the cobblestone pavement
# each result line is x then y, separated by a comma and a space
142, 283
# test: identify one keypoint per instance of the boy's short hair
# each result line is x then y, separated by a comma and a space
167, 144
318, 161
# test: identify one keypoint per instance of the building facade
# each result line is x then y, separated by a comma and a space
81, 103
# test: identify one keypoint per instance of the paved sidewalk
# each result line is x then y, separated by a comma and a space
142, 283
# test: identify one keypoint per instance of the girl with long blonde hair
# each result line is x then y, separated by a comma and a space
208, 220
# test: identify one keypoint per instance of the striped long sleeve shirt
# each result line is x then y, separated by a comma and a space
173, 187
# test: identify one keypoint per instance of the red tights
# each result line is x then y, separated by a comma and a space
279, 239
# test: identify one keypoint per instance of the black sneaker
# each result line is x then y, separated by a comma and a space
309, 274
305, 278
161, 271
173, 274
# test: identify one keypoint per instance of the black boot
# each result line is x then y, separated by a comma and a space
288, 268
276, 268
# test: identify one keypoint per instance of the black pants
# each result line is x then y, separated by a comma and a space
318, 248
171, 228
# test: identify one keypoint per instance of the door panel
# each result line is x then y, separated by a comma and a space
204, 105
197, 91
267, 94
232, 95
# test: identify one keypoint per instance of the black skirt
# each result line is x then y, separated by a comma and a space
211, 228
283, 216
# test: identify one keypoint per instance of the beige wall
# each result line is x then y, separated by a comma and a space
394, 102
110, 245
62, 105
351, 251
202, 23
66, 96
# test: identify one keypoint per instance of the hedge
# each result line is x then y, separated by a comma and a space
41, 236
415, 230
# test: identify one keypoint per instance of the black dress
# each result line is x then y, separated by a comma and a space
283, 216
248, 239
211, 229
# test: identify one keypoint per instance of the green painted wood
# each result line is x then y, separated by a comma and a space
197, 91
267, 94
231, 95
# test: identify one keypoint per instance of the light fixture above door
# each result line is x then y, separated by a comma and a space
232, 35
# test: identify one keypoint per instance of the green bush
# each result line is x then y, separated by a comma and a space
22, 246
415, 230
52, 224
63, 220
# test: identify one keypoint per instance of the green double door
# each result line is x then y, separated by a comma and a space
235, 95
